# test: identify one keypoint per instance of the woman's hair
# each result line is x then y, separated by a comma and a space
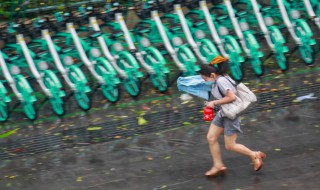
220, 69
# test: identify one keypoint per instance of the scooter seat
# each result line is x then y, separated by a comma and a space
266, 8
198, 23
176, 26
117, 33
66, 49
95, 34
143, 30
222, 17
13, 57
41, 53
241, 13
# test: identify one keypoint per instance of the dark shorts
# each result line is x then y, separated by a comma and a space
230, 126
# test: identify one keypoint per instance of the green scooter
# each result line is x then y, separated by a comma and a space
299, 30
18, 83
271, 32
122, 61
4, 100
313, 9
73, 75
98, 66
158, 34
202, 47
226, 43
245, 35
46, 78
149, 56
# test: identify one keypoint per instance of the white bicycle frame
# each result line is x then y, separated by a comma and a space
236, 26
124, 28
187, 32
170, 49
83, 56
262, 24
94, 24
32, 65
287, 22
311, 12
212, 28
56, 59
9, 78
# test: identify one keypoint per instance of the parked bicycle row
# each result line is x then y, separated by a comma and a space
67, 45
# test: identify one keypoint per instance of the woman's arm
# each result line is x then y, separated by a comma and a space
230, 97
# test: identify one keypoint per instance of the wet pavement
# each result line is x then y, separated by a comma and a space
177, 158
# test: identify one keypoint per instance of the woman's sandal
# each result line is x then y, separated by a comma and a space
262, 155
221, 171
257, 161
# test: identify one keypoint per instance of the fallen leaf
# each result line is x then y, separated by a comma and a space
142, 121
185, 102
9, 133
79, 179
94, 128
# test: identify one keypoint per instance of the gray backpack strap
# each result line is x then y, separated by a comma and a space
228, 78
220, 91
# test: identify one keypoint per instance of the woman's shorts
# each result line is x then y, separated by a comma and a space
230, 126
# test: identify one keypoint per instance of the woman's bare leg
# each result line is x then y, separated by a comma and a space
212, 137
230, 143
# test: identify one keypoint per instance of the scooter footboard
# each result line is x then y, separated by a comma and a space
105, 70
54, 82
24, 88
185, 54
107, 65
80, 77
305, 30
278, 39
208, 49
3, 93
130, 58
234, 43
276, 34
252, 43
156, 54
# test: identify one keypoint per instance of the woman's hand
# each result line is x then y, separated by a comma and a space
230, 97
212, 104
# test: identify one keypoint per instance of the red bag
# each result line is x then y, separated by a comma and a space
208, 114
